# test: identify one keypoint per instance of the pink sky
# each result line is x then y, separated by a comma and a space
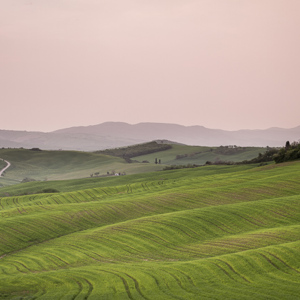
228, 64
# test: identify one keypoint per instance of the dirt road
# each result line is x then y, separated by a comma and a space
8, 165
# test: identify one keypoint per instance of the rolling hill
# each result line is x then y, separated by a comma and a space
199, 155
58, 165
118, 134
214, 232
28, 164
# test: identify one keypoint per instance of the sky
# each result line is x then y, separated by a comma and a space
226, 64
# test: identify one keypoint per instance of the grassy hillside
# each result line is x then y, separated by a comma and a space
182, 154
57, 165
61, 165
136, 150
228, 232
88, 183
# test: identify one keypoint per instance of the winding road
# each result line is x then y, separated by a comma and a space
8, 165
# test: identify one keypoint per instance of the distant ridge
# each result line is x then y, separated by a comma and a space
118, 134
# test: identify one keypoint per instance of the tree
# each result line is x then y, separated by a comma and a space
287, 145
155, 160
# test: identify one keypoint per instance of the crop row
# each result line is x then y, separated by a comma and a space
217, 236
267, 273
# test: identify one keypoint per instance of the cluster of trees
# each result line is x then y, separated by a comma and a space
291, 151
263, 157
175, 167
157, 161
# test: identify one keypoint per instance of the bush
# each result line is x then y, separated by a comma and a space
27, 180
49, 190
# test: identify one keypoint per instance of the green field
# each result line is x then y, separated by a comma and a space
88, 183
213, 232
199, 155
59, 165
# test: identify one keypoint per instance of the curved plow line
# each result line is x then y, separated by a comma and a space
122, 244
85, 195
125, 283
64, 221
136, 285
35, 227
271, 262
269, 235
215, 225
35, 261
90, 194
166, 290
142, 206
177, 280
191, 223
75, 199
167, 224
116, 210
287, 216
232, 246
255, 263
289, 253
278, 286
81, 291
207, 291
157, 283
61, 288
66, 199
234, 271
54, 265
23, 265
135, 255
247, 220
58, 258
20, 233
102, 258
128, 231
165, 244
281, 261
203, 291
225, 283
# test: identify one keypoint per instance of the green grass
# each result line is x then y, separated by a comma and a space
215, 232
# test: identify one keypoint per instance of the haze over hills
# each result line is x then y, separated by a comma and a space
118, 134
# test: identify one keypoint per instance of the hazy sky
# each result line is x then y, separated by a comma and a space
228, 64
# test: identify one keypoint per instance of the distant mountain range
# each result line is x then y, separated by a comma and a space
118, 134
